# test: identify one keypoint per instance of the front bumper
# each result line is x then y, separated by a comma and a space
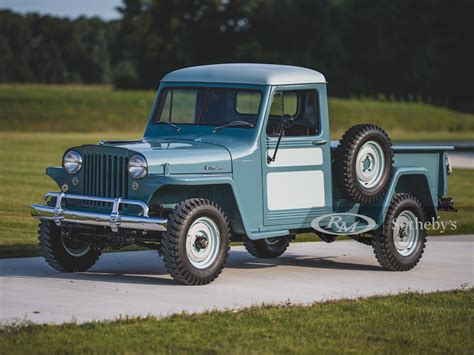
114, 220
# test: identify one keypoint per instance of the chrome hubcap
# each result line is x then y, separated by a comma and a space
271, 241
75, 248
369, 164
406, 233
202, 242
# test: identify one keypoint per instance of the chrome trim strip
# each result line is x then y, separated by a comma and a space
121, 141
114, 220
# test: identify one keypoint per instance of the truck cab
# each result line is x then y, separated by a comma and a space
240, 152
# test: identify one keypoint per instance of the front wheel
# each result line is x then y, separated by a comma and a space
267, 248
62, 252
196, 244
399, 245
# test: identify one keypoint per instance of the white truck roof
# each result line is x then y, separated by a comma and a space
246, 73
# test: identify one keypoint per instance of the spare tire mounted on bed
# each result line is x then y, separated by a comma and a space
363, 163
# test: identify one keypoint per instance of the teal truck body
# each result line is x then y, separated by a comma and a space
230, 164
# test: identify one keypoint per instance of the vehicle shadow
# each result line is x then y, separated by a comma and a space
142, 268
145, 268
324, 262
99, 275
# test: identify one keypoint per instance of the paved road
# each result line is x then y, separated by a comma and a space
135, 283
464, 160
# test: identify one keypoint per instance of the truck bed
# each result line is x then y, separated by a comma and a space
431, 157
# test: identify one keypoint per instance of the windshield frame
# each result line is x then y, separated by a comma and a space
160, 104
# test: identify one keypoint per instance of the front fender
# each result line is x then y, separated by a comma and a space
172, 189
57, 174
150, 186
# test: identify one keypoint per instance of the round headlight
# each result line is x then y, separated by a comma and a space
137, 167
72, 162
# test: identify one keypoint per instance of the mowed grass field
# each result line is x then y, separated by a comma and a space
415, 323
37, 123
49, 108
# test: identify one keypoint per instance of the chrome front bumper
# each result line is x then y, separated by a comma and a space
114, 220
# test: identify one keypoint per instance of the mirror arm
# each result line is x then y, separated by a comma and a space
270, 159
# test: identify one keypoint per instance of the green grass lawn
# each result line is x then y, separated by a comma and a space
24, 157
56, 108
407, 323
72, 108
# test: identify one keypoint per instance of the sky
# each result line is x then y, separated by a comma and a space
104, 9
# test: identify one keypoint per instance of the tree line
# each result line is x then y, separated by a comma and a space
401, 50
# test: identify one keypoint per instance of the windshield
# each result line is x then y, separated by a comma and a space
208, 106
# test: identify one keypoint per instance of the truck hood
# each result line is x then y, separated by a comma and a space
180, 156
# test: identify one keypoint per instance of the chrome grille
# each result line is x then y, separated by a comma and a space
105, 175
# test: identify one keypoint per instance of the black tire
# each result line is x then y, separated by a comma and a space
327, 238
57, 256
268, 248
174, 242
362, 239
345, 163
383, 241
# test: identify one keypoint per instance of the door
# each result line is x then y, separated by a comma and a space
296, 168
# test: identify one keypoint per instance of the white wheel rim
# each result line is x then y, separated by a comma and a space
406, 233
271, 241
203, 242
370, 164
75, 251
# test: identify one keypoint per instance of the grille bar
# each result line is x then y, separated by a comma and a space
105, 175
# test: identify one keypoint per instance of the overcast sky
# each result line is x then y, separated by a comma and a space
65, 8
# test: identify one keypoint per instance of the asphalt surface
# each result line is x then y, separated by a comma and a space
136, 283
463, 160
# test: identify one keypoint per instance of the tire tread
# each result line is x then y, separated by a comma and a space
172, 257
258, 249
345, 177
47, 232
381, 243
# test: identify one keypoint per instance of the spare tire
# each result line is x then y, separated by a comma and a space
363, 163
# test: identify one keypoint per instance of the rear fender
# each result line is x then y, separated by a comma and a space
413, 180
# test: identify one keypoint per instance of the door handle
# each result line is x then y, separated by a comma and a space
319, 142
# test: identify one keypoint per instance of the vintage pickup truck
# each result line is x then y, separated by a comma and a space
241, 152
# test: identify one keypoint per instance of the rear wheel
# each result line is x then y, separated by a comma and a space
62, 252
267, 248
196, 244
400, 243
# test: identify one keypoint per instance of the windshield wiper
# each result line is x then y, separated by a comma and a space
234, 123
172, 125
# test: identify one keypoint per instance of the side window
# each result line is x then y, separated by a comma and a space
286, 102
299, 109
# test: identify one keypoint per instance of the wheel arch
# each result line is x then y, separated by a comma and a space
413, 180
168, 196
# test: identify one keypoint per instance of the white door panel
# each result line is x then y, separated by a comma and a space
295, 189
296, 157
